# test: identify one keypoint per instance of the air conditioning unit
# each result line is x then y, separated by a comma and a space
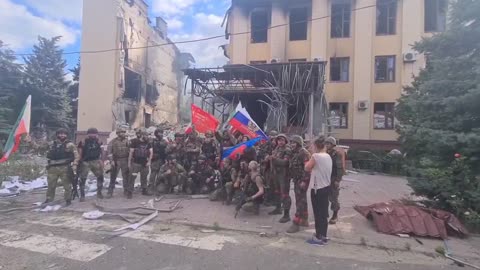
409, 57
363, 105
275, 60
318, 59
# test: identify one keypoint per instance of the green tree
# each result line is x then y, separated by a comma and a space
10, 85
440, 115
73, 92
45, 81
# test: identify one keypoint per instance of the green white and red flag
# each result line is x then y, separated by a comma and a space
22, 126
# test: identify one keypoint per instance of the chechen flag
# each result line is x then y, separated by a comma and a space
243, 122
22, 126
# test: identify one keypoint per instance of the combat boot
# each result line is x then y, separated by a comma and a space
285, 218
334, 218
293, 229
109, 194
99, 194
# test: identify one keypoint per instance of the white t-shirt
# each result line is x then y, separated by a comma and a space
321, 174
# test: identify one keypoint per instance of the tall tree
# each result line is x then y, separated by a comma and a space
440, 115
10, 85
45, 81
73, 91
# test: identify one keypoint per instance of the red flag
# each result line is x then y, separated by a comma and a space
203, 121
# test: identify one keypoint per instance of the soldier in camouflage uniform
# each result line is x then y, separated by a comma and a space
264, 152
91, 154
177, 148
301, 179
159, 146
253, 188
225, 186
118, 150
193, 147
280, 164
62, 163
338, 159
201, 178
139, 161
171, 175
210, 148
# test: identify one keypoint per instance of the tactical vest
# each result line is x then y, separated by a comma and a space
208, 149
159, 150
91, 150
120, 149
58, 151
141, 153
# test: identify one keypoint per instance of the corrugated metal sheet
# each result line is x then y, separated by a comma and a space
396, 218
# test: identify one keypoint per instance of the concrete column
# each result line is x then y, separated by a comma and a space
412, 30
364, 27
319, 29
239, 43
278, 36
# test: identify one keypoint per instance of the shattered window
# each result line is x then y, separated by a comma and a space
340, 20
298, 23
260, 20
339, 68
339, 115
133, 85
152, 94
384, 68
148, 120
386, 17
384, 115
435, 15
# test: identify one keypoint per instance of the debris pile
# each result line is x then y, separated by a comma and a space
15, 186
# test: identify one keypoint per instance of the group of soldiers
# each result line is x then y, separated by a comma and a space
192, 164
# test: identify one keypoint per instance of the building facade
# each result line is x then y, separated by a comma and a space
135, 79
367, 45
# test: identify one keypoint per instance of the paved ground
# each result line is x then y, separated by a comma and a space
64, 240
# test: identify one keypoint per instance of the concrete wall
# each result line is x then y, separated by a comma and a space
361, 47
102, 79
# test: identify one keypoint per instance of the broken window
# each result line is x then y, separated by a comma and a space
386, 17
151, 95
298, 23
339, 68
127, 117
148, 119
339, 115
340, 19
384, 68
133, 85
260, 20
384, 115
435, 15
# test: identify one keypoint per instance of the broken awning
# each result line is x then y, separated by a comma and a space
396, 218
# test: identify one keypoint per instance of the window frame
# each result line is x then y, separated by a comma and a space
342, 105
386, 80
339, 59
291, 24
437, 15
391, 5
267, 12
346, 7
392, 116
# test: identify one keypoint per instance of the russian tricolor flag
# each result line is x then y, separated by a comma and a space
239, 149
243, 122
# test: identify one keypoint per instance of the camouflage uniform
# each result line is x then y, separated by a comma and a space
209, 148
192, 151
140, 150
337, 174
225, 186
200, 178
301, 179
177, 149
91, 152
266, 150
62, 162
252, 182
170, 175
281, 182
159, 155
118, 150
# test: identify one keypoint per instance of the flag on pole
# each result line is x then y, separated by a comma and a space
232, 114
239, 149
203, 121
22, 126
243, 122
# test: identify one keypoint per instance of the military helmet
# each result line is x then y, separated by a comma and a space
92, 131
202, 157
273, 133
282, 136
331, 140
61, 131
121, 130
297, 139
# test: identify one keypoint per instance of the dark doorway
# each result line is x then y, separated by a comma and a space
257, 110
133, 85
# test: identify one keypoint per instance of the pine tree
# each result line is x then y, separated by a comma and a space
45, 81
10, 85
440, 115
73, 91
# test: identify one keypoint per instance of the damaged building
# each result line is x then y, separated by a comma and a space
348, 59
135, 75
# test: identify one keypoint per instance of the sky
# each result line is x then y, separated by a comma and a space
22, 21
